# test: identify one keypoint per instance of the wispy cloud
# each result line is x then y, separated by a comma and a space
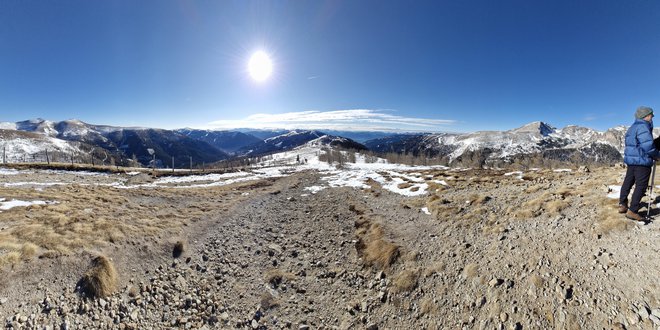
594, 117
348, 120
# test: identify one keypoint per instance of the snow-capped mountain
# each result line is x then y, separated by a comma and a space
297, 138
336, 141
122, 144
20, 146
536, 142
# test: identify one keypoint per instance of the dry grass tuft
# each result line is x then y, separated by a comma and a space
275, 277
536, 280
428, 307
406, 280
179, 248
100, 280
610, 221
470, 270
10, 258
355, 209
414, 203
436, 268
372, 246
555, 207
267, 301
441, 209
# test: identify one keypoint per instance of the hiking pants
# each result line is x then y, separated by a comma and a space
639, 176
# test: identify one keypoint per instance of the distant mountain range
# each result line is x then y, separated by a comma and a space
74, 139
534, 144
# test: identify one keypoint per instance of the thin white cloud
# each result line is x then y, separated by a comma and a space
348, 120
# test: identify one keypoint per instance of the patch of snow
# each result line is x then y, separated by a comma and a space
314, 189
8, 171
7, 205
442, 182
195, 178
44, 184
426, 210
518, 174
8, 126
615, 191
563, 170
357, 178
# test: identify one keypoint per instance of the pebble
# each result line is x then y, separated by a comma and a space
656, 312
655, 319
495, 282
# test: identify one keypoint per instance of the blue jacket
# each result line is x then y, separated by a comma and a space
639, 144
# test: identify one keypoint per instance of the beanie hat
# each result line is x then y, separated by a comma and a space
643, 112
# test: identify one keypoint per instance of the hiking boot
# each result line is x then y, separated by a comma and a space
634, 216
623, 208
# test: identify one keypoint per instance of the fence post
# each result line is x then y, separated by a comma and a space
47, 159
191, 164
4, 154
172, 164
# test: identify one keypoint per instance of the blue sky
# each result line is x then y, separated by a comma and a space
413, 65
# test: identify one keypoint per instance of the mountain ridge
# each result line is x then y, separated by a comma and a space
536, 140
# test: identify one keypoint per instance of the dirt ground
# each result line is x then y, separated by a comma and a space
483, 249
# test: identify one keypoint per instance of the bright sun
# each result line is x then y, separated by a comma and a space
260, 66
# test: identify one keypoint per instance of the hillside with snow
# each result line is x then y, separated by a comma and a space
534, 144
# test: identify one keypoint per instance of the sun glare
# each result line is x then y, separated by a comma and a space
260, 66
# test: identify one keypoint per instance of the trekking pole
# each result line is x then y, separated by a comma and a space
648, 209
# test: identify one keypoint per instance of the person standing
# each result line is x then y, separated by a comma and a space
639, 155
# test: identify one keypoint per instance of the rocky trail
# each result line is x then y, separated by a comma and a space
543, 250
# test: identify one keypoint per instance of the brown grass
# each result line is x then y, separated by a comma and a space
536, 280
470, 270
414, 203
428, 307
609, 220
555, 207
275, 277
441, 209
267, 301
406, 280
100, 280
436, 268
479, 199
372, 246
404, 185
89, 217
